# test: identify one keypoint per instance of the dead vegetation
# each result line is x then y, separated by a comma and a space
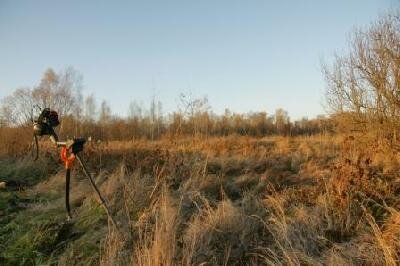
275, 206
289, 201
229, 201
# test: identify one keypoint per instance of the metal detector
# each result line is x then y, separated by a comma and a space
70, 149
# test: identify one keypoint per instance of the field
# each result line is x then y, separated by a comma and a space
324, 199
209, 137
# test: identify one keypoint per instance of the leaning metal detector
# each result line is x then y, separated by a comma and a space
70, 149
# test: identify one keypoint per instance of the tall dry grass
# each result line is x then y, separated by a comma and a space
246, 201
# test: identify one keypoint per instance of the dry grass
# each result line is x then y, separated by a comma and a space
246, 201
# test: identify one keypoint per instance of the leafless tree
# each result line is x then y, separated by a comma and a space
57, 91
365, 82
17, 108
192, 109
90, 108
282, 121
105, 112
135, 110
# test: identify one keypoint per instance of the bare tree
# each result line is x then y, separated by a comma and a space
61, 92
135, 110
17, 108
282, 121
105, 112
90, 108
364, 84
191, 108
57, 91
152, 115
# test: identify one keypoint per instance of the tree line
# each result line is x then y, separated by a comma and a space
83, 116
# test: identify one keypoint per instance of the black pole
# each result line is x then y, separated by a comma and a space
67, 181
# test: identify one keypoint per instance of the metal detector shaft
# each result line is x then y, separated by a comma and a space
67, 181
85, 170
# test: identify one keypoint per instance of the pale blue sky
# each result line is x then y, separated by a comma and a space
245, 55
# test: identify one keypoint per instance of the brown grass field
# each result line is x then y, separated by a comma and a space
320, 200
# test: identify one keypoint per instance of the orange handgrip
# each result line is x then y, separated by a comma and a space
67, 157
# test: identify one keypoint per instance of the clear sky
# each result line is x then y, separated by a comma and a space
244, 55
